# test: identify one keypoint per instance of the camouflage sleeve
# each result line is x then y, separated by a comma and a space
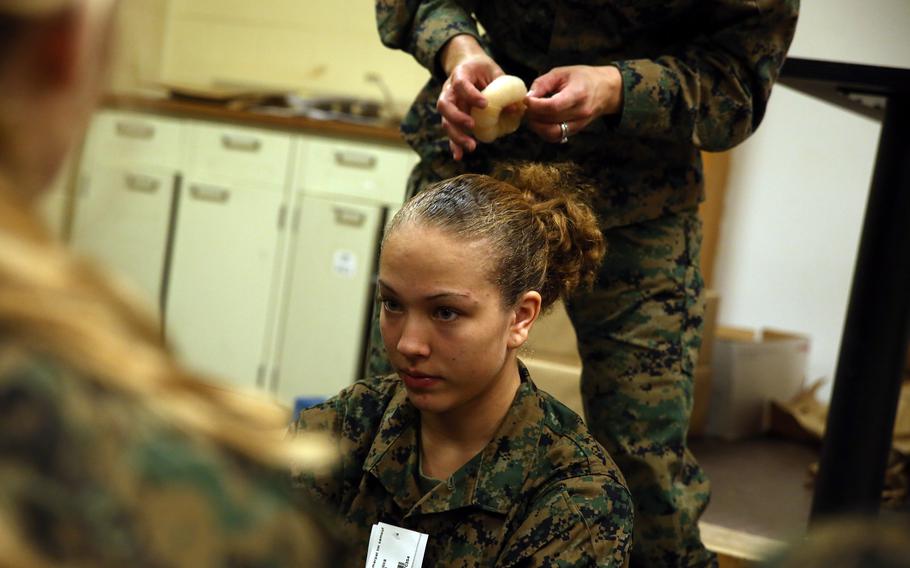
714, 90
580, 522
325, 417
421, 28
350, 418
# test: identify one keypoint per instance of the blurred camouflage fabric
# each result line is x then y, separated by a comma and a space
91, 477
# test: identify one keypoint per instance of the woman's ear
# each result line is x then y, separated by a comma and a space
524, 314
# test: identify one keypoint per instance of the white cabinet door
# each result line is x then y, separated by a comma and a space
328, 299
223, 272
122, 219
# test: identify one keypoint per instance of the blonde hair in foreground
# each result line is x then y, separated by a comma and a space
54, 303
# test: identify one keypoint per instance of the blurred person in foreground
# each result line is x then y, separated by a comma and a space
110, 453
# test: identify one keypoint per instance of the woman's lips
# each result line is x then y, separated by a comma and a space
418, 381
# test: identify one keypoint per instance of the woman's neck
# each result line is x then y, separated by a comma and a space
449, 440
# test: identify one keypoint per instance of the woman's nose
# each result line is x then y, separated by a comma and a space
413, 341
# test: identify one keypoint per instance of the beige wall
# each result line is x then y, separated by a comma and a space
311, 46
139, 44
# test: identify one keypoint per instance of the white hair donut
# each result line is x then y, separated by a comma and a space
490, 123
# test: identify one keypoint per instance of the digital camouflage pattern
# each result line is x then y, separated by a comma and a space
638, 335
90, 477
542, 492
697, 75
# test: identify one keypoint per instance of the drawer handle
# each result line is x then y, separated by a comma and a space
136, 130
349, 217
239, 144
212, 194
355, 160
142, 184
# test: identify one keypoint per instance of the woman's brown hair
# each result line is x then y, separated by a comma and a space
536, 218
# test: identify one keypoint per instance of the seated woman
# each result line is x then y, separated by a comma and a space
461, 445
111, 454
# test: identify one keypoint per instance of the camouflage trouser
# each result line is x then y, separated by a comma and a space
638, 335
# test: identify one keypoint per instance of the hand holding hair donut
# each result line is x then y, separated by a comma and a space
496, 120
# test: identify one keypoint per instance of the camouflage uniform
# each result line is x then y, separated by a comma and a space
90, 477
542, 492
697, 75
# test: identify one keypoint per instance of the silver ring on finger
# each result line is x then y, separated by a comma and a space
564, 130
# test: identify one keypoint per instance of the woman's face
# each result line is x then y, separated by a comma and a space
443, 323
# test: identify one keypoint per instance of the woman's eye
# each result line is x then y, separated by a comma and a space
391, 306
446, 314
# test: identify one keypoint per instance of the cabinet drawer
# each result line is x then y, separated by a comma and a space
236, 153
354, 169
124, 137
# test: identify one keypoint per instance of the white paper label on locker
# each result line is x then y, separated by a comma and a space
344, 263
395, 547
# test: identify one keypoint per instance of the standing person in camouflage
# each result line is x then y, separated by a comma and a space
461, 445
111, 454
633, 90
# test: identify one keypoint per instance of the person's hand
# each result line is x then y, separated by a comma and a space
576, 95
469, 71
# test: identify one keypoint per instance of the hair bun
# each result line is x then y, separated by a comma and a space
559, 199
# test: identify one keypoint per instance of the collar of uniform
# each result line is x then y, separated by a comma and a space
492, 480
392, 458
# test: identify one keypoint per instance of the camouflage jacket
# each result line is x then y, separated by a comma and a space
542, 492
91, 477
697, 75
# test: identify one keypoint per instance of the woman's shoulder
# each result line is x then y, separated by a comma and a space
379, 388
368, 397
356, 411
570, 446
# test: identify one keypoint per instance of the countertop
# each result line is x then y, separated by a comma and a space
191, 109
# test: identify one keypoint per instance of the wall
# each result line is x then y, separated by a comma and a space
792, 218
303, 45
871, 33
139, 44
797, 189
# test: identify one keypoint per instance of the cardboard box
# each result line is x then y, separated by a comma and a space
750, 369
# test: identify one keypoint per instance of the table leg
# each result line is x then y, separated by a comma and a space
874, 341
